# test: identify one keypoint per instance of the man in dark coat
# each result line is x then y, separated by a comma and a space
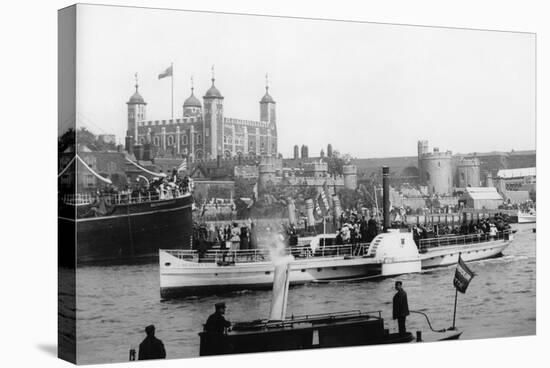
217, 323
151, 347
215, 328
400, 307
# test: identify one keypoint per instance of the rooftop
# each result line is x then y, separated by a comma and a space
517, 173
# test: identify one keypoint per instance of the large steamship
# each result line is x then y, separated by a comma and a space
121, 228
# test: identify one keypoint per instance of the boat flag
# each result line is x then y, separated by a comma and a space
463, 276
166, 73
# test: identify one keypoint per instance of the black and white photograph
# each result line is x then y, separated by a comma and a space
233, 183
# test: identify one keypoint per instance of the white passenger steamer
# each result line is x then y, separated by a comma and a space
189, 272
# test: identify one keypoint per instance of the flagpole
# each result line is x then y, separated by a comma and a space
454, 313
172, 78
456, 297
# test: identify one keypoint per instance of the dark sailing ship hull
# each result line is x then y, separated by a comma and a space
128, 233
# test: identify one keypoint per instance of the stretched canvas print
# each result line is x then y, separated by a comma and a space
236, 183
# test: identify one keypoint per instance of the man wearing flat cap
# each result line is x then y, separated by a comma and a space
217, 323
151, 347
400, 307
215, 338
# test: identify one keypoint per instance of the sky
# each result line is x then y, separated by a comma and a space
371, 90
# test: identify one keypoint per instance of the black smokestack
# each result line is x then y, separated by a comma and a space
386, 196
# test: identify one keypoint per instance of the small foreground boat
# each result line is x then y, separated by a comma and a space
338, 329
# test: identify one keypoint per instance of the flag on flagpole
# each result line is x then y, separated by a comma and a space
182, 166
166, 73
463, 276
323, 203
318, 208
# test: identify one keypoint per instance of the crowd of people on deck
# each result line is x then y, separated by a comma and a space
525, 207
167, 187
353, 229
489, 227
142, 190
225, 236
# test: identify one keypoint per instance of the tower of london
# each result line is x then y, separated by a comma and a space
203, 131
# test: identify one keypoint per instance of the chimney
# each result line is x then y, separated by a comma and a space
386, 196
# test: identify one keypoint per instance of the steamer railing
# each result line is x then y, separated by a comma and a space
258, 255
425, 244
82, 199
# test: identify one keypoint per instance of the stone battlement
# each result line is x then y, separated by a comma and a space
248, 123
184, 120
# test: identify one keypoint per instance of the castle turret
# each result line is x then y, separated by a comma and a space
296, 152
329, 150
192, 106
489, 180
437, 171
213, 120
315, 169
422, 150
350, 176
305, 151
266, 174
267, 114
468, 173
136, 113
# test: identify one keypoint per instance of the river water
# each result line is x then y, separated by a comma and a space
114, 304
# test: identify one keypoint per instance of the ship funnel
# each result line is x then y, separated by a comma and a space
280, 289
386, 196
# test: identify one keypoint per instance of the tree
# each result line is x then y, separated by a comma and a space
83, 137
66, 140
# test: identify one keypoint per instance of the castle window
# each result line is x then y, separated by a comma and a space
156, 141
427, 176
170, 140
199, 139
184, 139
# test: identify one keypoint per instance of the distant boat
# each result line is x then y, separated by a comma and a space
527, 217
